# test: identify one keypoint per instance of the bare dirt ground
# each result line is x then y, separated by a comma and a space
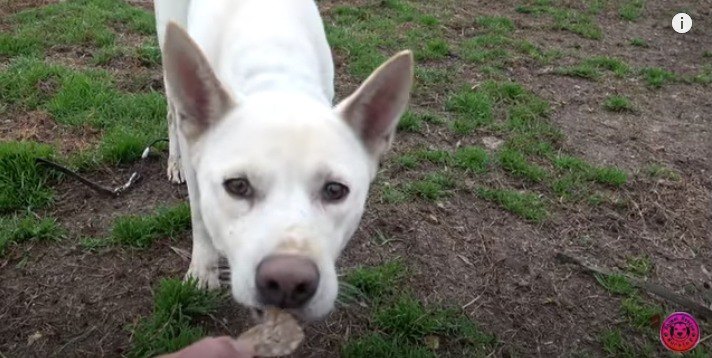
465, 250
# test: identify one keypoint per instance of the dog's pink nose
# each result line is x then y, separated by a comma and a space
286, 281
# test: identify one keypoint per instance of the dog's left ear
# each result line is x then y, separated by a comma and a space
373, 111
200, 97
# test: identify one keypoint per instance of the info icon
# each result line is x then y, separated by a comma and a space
680, 332
681, 23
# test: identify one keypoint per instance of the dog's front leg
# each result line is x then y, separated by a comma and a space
174, 171
204, 258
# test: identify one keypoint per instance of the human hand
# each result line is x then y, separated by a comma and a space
215, 347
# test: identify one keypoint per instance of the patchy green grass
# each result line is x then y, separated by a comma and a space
639, 265
471, 159
591, 68
473, 109
566, 19
515, 163
23, 183
639, 313
393, 195
656, 77
434, 186
18, 229
614, 344
496, 24
377, 282
435, 156
618, 103
401, 326
142, 231
576, 172
72, 23
371, 33
172, 325
526, 205
129, 121
659, 171
617, 284
638, 42
631, 10
414, 121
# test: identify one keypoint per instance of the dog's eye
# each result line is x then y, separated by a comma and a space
333, 191
239, 187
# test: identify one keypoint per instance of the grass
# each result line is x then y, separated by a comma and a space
23, 183
656, 77
639, 265
496, 24
638, 42
591, 68
576, 173
401, 326
617, 284
18, 229
618, 103
658, 171
72, 23
515, 163
172, 325
377, 282
471, 159
472, 109
528, 206
631, 10
129, 121
566, 19
434, 186
142, 231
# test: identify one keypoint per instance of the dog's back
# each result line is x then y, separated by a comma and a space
257, 44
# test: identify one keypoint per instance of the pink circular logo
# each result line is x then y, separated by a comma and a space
680, 332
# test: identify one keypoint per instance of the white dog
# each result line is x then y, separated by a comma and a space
277, 176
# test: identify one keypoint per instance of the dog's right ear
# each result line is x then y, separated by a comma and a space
200, 98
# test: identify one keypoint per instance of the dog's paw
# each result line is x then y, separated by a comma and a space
206, 278
175, 171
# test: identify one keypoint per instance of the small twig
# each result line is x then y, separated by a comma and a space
657, 290
94, 186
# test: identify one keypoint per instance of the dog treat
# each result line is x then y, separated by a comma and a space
279, 334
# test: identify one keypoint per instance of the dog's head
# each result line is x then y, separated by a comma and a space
680, 330
282, 178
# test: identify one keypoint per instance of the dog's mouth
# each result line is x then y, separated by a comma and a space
258, 314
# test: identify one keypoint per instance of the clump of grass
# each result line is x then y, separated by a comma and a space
657, 77
591, 68
408, 161
23, 183
393, 195
639, 265
18, 229
497, 24
471, 159
614, 344
142, 231
377, 282
526, 205
618, 104
434, 49
435, 156
380, 345
617, 284
171, 326
579, 170
433, 187
580, 23
638, 42
413, 121
515, 163
631, 9
662, 172
473, 109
